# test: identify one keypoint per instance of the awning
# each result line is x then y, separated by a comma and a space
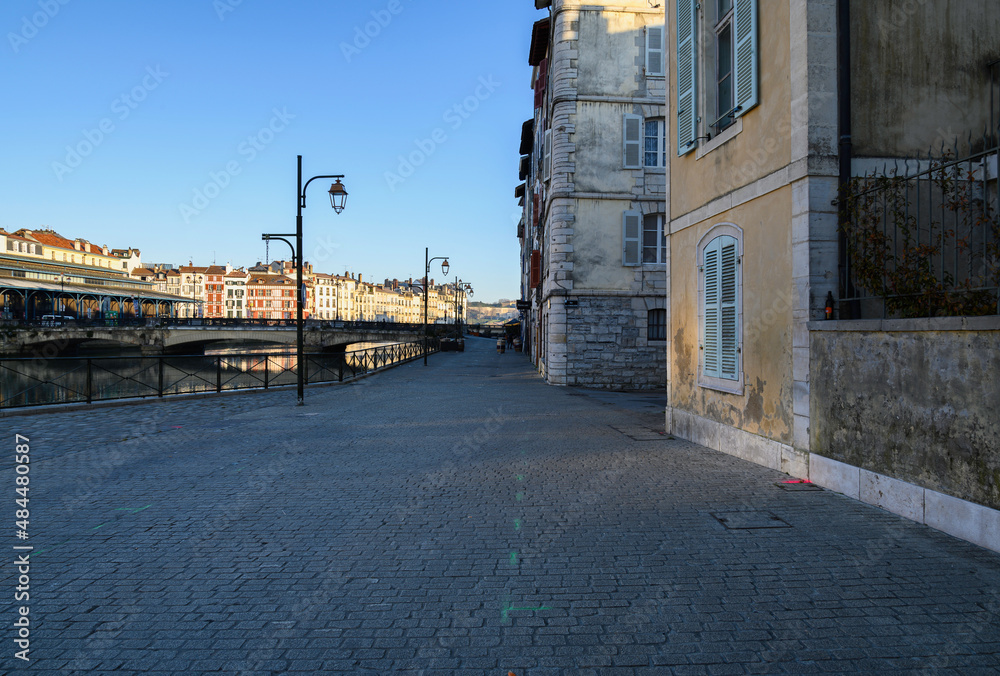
519, 191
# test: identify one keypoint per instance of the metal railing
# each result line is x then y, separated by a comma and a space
67, 380
923, 237
173, 322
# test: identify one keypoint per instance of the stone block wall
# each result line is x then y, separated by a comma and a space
606, 345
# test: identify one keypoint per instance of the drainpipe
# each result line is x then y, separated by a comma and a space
846, 150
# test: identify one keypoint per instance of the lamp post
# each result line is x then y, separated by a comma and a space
427, 282
466, 288
460, 287
338, 199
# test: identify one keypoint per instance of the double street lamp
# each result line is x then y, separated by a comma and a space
463, 288
427, 282
338, 200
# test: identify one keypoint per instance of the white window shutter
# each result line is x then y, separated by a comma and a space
632, 142
728, 308
711, 360
687, 71
654, 51
547, 158
631, 238
745, 83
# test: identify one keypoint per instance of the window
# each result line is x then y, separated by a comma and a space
654, 51
729, 28
655, 143
654, 239
724, 67
721, 309
656, 325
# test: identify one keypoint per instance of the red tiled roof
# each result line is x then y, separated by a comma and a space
50, 239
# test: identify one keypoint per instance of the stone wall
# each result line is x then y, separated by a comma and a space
912, 399
606, 345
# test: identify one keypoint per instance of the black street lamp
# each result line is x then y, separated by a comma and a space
465, 288
338, 200
427, 282
460, 287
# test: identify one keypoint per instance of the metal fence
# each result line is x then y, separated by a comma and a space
922, 237
175, 322
66, 380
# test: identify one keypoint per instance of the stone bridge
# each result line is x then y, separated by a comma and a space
51, 341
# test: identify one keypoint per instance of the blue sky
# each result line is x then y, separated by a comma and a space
174, 128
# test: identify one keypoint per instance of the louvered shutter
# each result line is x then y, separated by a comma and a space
745, 83
631, 237
535, 269
728, 289
654, 50
710, 337
687, 70
547, 159
541, 82
632, 142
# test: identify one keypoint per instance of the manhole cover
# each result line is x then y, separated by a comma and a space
798, 485
749, 520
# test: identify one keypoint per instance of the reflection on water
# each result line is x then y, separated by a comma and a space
32, 382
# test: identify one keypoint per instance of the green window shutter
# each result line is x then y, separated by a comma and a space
746, 77
631, 237
728, 309
687, 72
632, 142
711, 340
654, 51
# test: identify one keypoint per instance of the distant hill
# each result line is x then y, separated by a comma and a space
491, 313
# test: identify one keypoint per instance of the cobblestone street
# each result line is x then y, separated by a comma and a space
463, 518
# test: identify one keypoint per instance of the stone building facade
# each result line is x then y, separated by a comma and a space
765, 359
592, 235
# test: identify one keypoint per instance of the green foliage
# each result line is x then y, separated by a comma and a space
940, 265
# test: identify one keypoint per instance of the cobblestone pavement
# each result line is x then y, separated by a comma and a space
463, 518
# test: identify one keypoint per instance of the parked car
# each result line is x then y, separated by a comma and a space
57, 320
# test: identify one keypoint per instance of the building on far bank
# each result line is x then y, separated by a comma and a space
43, 273
593, 247
235, 286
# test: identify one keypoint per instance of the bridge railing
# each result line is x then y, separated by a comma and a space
171, 322
68, 380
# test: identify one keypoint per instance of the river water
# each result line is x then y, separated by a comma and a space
34, 382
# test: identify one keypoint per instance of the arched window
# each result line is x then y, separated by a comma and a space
720, 257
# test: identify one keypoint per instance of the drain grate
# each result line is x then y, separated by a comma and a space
749, 520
